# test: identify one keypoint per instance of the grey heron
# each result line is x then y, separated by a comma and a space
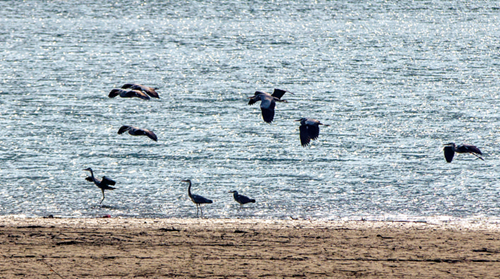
268, 102
197, 199
134, 131
450, 149
146, 89
103, 184
309, 130
240, 198
128, 94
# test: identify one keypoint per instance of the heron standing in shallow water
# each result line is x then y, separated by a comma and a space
134, 131
146, 89
450, 149
240, 198
309, 130
102, 184
268, 102
197, 199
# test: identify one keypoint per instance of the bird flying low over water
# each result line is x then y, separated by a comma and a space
103, 184
128, 94
146, 89
268, 102
134, 131
309, 130
240, 198
198, 200
450, 149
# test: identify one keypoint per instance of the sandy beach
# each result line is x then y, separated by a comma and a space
126, 248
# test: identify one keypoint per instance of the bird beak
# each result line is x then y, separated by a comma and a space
297, 120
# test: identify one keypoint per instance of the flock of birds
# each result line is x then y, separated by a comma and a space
308, 130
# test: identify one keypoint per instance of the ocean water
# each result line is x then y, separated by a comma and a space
395, 80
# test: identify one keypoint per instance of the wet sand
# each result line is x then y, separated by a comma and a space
126, 248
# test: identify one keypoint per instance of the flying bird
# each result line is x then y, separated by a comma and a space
146, 89
309, 130
268, 102
103, 184
134, 131
128, 94
450, 149
197, 199
240, 198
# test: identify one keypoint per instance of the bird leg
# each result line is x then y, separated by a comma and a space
102, 195
479, 157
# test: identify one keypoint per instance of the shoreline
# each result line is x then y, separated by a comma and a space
152, 223
245, 248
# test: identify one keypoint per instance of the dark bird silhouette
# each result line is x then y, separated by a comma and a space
102, 184
146, 89
309, 130
268, 102
240, 198
198, 200
450, 149
128, 94
134, 131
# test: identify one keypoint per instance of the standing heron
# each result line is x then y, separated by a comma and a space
450, 149
128, 94
102, 184
268, 102
309, 130
134, 131
146, 89
240, 198
197, 199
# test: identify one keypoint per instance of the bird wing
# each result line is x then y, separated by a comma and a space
267, 106
115, 92
151, 92
106, 187
268, 114
278, 93
150, 134
449, 152
89, 178
140, 94
244, 199
107, 180
146, 89
128, 85
254, 99
472, 149
313, 131
305, 138
200, 199
123, 129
